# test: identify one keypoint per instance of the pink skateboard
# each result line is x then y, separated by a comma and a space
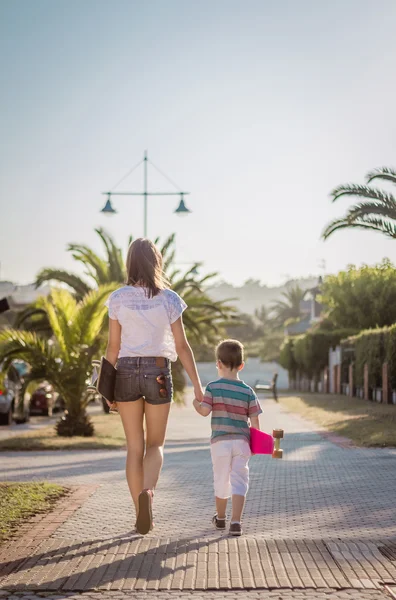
264, 443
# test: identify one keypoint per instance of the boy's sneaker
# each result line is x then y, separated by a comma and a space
219, 523
235, 529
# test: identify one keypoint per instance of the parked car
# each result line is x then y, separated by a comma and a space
45, 400
11, 383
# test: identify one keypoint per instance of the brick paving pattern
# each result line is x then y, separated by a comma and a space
323, 594
314, 521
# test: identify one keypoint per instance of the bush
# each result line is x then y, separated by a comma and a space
374, 347
286, 358
269, 350
369, 348
311, 350
361, 298
390, 354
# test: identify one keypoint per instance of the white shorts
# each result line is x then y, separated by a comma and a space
230, 459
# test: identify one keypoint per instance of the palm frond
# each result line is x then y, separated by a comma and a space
365, 192
169, 242
37, 373
382, 225
384, 173
27, 346
364, 209
116, 271
91, 313
96, 267
61, 308
168, 260
204, 280
25, 316
70, 279
368, 222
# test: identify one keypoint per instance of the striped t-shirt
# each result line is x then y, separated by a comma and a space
232, 402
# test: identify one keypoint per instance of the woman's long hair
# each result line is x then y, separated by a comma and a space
144, 267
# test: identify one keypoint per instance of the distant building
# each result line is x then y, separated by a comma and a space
19, 297
311, 310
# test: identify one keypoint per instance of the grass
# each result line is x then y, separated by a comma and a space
109, 434
19, 501
365, 423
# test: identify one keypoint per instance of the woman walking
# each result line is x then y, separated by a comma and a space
146, 333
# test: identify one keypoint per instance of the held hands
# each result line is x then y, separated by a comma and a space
199, 395
197, 405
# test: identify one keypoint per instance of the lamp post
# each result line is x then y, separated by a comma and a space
180, 210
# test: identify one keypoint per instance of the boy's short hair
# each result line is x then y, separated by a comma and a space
230, 353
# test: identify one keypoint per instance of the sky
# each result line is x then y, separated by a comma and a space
258, 108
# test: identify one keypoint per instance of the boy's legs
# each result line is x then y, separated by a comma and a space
239, 477
221, 459
221, 507
238, 503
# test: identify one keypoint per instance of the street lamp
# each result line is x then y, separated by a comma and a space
182, 209
108, 209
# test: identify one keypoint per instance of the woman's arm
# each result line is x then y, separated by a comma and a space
186, 356
114, 342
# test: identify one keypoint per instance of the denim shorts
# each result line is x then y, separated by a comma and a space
137, 378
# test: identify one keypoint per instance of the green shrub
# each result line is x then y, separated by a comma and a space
369, 348
311, 350
390, 354
374, 347
286, 358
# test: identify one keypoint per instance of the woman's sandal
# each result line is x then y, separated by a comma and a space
144, 522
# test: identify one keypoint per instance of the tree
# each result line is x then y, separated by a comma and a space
271, 345
110, 270
65, 359
204, 321
98, 270
376, 211
244, 328
290, 306
361, 298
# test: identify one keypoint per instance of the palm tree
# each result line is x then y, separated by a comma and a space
65, 359
289, 307
203, 313
376, 211
98, 270
203, 321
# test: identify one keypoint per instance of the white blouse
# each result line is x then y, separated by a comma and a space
146, 322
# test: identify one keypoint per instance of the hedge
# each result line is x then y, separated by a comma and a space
374, 347
309, 353
286, 358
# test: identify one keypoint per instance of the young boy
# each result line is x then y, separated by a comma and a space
232, 404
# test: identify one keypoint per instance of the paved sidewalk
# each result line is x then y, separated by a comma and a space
322, 518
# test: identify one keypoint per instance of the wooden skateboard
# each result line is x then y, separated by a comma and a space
264, 443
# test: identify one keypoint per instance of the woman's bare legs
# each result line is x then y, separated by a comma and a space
132, 420
156, 423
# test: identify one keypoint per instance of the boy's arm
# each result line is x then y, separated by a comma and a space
201, 410
255, 422
204, 408
254, 411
